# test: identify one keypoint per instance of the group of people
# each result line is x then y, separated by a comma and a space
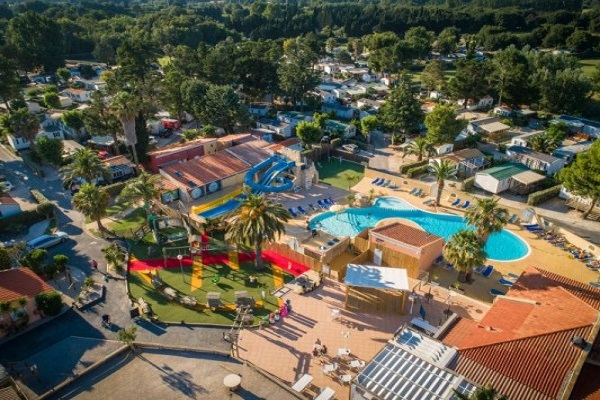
319, 349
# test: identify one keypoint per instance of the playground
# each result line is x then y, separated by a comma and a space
209, 286
343, 175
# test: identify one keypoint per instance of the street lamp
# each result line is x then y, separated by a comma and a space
180, 257
448, 312
412, 297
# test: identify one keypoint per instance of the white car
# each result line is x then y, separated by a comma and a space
6, 185
45, 241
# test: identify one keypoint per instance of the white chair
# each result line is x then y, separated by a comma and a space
345, 379
335, 314
329, 368
357, 364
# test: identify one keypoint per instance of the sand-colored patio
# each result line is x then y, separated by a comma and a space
285, 349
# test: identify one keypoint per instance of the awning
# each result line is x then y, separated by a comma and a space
528, 177
373, 276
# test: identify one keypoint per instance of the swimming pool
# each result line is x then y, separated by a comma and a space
501, 246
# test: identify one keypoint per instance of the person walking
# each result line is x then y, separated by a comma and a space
95, 264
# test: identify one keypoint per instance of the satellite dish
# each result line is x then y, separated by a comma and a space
196, 193
213, 187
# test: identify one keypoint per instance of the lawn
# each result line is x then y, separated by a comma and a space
229, 281
589, 65
342, 175
128, 225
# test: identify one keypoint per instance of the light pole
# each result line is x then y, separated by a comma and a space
412, 297
180, 258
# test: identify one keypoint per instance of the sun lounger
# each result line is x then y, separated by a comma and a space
487, 271
335, 240
428, 202
512, 219
322, 204
386, 183
330, 243
302, 210
413, 191
448, 266
466, 205
513, 276
456, 202
330, 200
375, 181
327, 202
418, 193
291, 210
478, 269
496, 292
393, 186
505, 282
312, 207
530, 226
381, 182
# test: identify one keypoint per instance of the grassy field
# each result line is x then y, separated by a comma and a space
589, 65
229, 281
341, 175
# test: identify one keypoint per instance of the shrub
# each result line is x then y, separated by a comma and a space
38, 196
404, 168
34, 259
49, 303
16, 222
5, 260
468, 184
60, 261
411, 173
543, 195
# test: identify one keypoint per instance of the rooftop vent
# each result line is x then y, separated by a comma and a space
579, 342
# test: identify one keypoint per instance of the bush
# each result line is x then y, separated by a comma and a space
468, 184
13, 223
543, 195
49, 303
411, 173
115, 189
34, 259
404, 168
38, 196
5, 260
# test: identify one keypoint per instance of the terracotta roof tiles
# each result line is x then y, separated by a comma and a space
22, 282
406, 234
207, 169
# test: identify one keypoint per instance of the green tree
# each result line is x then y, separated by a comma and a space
582, 177
296, 73
442, 170
581, 40
432, 77
125, 107
50, 150
419, 41
114, 256
36, 41
142, 188
481, 393
486, 217
421, 147
471, 81
99, 120
442, 125
63, 74
9, 83
309, 133
544, 143
190, 134
21, 123
34, 259
368, 124
86, 165
5, 259
6, 308
558, 132
52, 100
49, 303
60, 261
465, 251
223, 108
255, 221
92, 201
74, 120
564, 91
402, 112
446, 41
127, 336
511, 76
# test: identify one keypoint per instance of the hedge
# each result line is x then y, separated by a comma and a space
543, 195
468, 183
49, 303
115, 189
38, 196
411, 173
404, 169
27, 218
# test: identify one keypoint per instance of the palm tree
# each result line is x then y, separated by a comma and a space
421, 147
5, 309
487, 218
442, 170
484, 393
350, 178
543, 143
113, 255
87, 165
465, 251
22, 124
256, 220
125, 106
92, 201
141, 188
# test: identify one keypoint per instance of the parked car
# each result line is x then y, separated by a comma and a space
45, 241
352, 148
6, 185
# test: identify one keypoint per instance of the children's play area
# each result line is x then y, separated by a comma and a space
209, 282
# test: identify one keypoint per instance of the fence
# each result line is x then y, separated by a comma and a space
293, 255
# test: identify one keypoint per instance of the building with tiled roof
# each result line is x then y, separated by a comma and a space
21, 283
180, 151
120, 168
528, 345
251, 153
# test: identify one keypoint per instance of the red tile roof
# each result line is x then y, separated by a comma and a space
175, 147
22, 282
284, 143
118, 160
6, 198
523, 346
406, 234
206, 169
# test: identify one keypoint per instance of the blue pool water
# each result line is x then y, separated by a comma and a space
502, 246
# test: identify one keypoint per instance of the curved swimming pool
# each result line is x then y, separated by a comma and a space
501, 246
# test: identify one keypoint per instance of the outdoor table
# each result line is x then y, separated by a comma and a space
302, 383
356, 364
232, 382
329, 368
326, 394
343, 352
346, 378
424, 325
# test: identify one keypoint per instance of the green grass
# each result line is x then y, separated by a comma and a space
129, 224
338, 174
588, 66
229, 282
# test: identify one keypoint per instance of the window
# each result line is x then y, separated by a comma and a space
56, 134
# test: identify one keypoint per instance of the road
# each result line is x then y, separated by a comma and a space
81, 249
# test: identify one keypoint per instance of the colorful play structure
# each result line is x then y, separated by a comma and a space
268, 176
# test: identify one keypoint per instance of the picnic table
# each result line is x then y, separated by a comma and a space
302, 383
326, 394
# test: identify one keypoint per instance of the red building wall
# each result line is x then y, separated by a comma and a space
163, 157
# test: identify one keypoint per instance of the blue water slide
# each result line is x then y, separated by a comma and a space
272, 172
264, 183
